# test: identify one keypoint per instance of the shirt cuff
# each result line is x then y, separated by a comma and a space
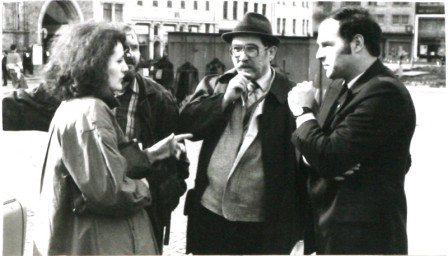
303, 118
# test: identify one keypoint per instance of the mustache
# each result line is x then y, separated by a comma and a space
244, 66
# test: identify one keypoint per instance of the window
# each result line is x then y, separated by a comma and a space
235, 10
169, 4
278, 25
380, 18
400, 19
400, 4
372, 4
395, 19
303, 27
107, 12
351, 3
156, 30
119, 12
195, 5
155, 3
207, 5
405, 19
307, 26
182, 4
284, 26
207, 28
294, 26
140, 3
293, 3
246, 7
255, 7
264, 9
224, 10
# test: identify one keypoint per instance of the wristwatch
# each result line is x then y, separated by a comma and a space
305, 110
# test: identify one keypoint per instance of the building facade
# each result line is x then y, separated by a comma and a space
405, 25
34, 23
288, 17
429, 36
154, 19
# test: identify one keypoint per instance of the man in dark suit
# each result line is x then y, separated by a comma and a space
248, 196
357, 150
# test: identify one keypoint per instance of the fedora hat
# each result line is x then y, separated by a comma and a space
252, 24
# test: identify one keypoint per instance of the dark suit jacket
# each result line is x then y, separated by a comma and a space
373, 127
285, 186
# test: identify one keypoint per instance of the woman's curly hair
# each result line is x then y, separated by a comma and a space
79, 56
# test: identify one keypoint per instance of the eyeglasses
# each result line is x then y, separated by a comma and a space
250, 50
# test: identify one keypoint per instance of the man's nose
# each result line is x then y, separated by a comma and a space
243, 56
319, 54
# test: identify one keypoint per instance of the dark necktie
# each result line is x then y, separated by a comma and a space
253, 98
343, 94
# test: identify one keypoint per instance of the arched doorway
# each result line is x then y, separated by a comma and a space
54, 15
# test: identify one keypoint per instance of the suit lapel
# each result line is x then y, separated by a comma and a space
374, 70
328, 103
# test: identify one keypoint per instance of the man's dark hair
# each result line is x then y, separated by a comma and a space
13, 47
356, 20
79, 60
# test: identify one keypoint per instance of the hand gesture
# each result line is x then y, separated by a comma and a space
167, 147
237, 86
302, 95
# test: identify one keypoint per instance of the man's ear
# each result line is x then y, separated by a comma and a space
357, 43
272, 52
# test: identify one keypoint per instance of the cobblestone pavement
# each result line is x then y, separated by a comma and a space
22, 155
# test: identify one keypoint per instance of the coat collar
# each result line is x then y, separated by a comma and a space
374, 70
279, 88
150, 88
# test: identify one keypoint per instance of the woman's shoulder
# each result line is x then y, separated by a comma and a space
86, 112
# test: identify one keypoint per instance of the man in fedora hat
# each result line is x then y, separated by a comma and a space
249, 197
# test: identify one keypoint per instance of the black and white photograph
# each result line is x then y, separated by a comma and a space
215, 127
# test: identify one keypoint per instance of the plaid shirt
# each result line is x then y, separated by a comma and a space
125, 113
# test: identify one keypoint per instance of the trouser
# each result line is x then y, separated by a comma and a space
14, 75
209, 233
362, 238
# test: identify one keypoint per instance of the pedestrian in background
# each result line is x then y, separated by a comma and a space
15, 67
357, 147
5, 74
28, 61
249, 196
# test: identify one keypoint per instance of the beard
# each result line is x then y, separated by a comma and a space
129, 75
